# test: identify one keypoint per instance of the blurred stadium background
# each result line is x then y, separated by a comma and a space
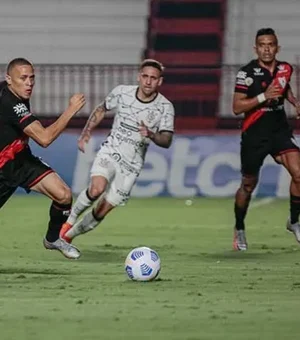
205, 290
91, 46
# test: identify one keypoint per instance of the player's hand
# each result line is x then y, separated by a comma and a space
144, 131
273, 91
77, 101
297, 107
83, 139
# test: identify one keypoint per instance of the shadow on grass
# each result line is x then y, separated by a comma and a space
103, 256
257, 251
235, 255
47, 272
108, 253
158, 281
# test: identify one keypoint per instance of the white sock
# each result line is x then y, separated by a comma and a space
83, 226
81, 204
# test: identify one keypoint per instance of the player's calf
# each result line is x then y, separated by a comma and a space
88, 223
83, 202
58, 216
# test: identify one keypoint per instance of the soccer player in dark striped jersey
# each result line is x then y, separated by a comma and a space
261, 88
18, 166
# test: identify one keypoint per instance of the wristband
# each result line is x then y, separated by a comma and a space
261, 98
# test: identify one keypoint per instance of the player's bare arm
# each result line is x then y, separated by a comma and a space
293, 100
162, 139
45, 136
95, 119
241, 103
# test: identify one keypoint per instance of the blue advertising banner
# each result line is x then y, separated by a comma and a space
193, 166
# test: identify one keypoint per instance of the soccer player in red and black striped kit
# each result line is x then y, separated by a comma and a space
261, 88
18, 166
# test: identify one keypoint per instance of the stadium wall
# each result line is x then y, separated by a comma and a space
195, 165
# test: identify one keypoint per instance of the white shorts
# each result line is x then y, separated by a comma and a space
120, 182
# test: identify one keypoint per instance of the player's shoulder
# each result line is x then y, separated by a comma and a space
284, 65
163, 100
248, 68
165, 104
8, 99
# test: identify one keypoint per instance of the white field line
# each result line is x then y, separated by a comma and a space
261, 202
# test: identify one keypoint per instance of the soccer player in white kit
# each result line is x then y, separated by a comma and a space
142, 115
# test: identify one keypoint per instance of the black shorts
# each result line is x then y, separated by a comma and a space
24, 171
255, 149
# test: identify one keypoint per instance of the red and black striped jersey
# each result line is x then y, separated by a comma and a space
15, 115
253, 79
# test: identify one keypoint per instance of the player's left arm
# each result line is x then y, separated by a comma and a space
160, 138
164, 136
293, 100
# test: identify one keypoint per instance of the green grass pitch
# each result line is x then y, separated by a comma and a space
205, 290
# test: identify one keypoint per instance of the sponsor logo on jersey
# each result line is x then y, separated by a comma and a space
241, 75
249, 81
257, 71
282, 81
129, 127
282, 69
21, 110
124, 135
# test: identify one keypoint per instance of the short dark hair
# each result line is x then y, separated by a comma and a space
17, 62
265, 31
152, 63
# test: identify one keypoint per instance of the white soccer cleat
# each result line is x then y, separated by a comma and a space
67, 249
239, 240
293, 228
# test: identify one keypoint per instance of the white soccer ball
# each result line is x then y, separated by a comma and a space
142, 264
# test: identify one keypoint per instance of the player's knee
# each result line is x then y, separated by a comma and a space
296, 175
96, 191
63, 195
249, 186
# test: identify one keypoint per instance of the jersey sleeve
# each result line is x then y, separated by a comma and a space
284, 81
167, 119
19, 115
243, 81
111, 100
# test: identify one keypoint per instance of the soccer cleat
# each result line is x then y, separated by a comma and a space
64, 229
67, 249
293, 228
239, 240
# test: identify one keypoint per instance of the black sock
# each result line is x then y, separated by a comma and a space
240, 214
294, 208
92, 199
97, 218
58, 215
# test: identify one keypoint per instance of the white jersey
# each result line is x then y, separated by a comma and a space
124, 143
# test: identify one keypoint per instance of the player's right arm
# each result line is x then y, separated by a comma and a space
45, 136
241, 101
97, 116
95, 119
